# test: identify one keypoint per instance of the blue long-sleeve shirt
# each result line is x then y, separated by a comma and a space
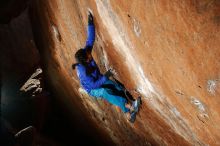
94, 79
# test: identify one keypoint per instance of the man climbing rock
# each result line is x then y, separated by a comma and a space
97, 84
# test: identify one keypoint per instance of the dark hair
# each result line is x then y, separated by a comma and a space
80, 57
74, 65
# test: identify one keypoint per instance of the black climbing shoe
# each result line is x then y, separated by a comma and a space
135, 106
133, 117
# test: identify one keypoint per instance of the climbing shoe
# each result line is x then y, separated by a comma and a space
133, 116
136, 104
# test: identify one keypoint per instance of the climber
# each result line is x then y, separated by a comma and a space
97, 84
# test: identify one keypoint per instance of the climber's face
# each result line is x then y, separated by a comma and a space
88, 56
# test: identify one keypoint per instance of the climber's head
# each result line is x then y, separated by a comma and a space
80, 56
83, 56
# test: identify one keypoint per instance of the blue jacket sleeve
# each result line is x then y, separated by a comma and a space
95, 83
88, 81
90, 36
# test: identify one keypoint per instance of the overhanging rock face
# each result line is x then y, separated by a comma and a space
168, 51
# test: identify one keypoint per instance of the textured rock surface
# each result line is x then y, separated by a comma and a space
168, 50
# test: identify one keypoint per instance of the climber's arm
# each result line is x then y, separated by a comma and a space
89, 81
90, 33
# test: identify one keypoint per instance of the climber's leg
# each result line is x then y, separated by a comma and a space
117, 86
108, 95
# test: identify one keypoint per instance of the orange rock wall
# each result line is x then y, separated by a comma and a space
167, 50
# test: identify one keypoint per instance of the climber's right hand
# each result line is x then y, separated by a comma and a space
109, 73
90, 18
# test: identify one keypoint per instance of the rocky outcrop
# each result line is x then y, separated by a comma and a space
167, 50
33, 83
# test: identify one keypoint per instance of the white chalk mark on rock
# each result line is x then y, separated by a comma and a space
144, 84
105, 60
137, 28
202, 115
211, 86
198, 104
